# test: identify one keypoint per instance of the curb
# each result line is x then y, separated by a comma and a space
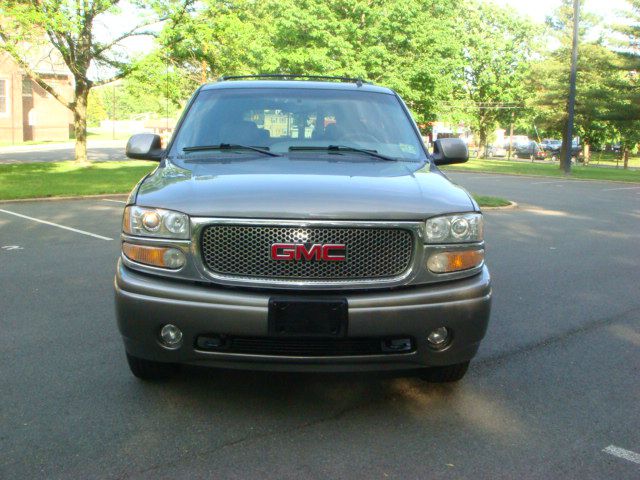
77, 197
511, 206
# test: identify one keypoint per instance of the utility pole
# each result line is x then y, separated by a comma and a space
568, 136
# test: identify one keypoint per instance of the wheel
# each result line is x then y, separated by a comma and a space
449, 373
149, 370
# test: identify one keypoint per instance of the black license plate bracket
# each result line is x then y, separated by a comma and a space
308, 317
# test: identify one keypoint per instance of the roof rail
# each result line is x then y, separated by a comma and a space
288, 76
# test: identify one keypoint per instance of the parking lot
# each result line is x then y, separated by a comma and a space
553, 393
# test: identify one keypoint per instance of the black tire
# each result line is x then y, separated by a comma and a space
450, 373
149, 370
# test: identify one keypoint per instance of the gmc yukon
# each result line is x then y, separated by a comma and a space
300, 225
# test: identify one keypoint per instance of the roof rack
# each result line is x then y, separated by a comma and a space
288, 76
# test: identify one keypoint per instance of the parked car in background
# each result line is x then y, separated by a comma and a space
550, 144
576, 152
531, 150
496, 151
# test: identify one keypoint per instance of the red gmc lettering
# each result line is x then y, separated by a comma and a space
334, 252
297, 251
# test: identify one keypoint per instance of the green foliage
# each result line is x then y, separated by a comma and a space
406, 44
608, 93
96, 110
498, 45
154, 86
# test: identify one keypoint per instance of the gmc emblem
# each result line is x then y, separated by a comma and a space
330, 252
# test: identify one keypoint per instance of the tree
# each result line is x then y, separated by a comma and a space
67, 26
407, 45
625, 107
498, 47
154, 86
597, 82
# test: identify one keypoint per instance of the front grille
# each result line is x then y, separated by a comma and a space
306, 347
245, 251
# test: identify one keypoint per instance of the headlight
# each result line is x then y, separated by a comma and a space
461, 228
155, 222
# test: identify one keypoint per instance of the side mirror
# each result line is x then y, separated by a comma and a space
450, 150
145, 146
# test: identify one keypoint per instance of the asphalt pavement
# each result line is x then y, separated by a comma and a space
553, 392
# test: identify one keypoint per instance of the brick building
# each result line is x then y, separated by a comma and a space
27, 112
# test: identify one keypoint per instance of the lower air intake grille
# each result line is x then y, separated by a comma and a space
303, 347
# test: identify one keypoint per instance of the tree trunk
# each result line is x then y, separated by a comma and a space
587, 154
625, 158
80, 123
563, 149
482, 134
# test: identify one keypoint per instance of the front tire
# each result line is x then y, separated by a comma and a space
149, 370
447, 374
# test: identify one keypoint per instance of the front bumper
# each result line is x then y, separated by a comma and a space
145, 303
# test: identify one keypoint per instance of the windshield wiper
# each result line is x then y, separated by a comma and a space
230, 146
345, 148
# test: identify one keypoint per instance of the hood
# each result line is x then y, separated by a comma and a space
300, 189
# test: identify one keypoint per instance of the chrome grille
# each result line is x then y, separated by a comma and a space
245, 251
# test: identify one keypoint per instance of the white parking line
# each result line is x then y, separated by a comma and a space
112, 200
621, 188
94, 235
622, 453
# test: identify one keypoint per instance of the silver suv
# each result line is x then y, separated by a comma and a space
300, 225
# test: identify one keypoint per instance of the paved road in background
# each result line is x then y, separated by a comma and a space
553, 394
99, 150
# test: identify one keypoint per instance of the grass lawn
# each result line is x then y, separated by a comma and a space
487, 201
546, 170
610, 158
62, 179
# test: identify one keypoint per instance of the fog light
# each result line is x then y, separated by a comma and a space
439, 337
170, 335
173, 258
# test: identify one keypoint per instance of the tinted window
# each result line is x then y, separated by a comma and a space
278, 119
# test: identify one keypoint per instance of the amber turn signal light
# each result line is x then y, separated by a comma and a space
163, 257
446, 262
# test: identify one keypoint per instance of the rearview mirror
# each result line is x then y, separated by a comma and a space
145, 146
450, 150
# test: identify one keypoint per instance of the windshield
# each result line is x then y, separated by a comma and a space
296, 122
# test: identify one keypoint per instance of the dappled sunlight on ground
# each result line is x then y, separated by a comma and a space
486, 414
550, 213
612, 234
626, 333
